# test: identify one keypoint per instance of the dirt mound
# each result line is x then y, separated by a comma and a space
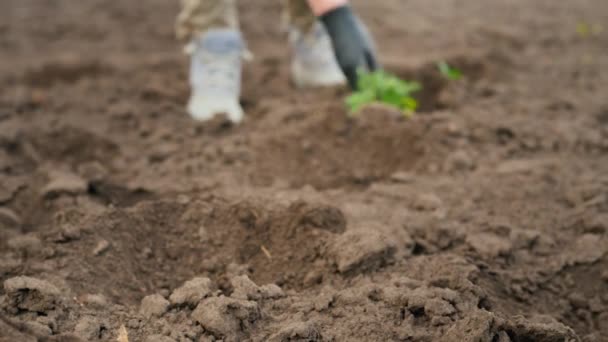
482, 218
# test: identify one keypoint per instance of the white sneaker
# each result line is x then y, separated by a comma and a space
314, 63
215, 75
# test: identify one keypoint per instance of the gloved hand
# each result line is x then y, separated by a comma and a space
351, 41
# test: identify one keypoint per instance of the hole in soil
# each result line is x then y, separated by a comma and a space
484, 304
402, 313
418, 249
434, 83
417, 312
332, 150
504, 135
162, 243
117, 195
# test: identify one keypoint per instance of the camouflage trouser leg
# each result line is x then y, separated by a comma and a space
196, 16
298, 14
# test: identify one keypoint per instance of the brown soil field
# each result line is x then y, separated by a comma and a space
482, 218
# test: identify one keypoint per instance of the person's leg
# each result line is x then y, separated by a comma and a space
216, 47
313, 62
197, 16
299, 14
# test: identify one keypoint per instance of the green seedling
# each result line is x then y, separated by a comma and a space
448, 71
586, 30
382, 87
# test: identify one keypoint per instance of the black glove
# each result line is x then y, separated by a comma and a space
351, 41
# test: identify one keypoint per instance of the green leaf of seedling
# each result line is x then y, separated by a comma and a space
583, 29
409, 106
412, 87
586, 30
449, 72
359, 99
382, 87
391, 97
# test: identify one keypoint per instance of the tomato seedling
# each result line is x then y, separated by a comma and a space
448, 71
382, 87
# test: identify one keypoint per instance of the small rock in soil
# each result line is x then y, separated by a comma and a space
227, 318
427, 202
362, 249
323, 217
203, 235
539, 329
489, 245
244, 288
90, 328
154, 306
403, 177
93, 171
324, 300
30, 294
271, 291
476, 327
438, 307
64, 183
297, 331
95, 301
101, 247
587, 249
192, 292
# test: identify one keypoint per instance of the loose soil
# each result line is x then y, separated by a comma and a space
483, 218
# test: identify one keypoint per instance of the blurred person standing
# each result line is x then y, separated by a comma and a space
329, 43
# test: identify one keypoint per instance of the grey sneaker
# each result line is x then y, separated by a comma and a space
314, 63
215, 75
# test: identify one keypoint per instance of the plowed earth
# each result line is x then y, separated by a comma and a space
483, 218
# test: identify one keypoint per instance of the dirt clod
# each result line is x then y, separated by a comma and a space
192, 292
227, 318
477, 327
64, 183
95, 301
481, 217
154, 305
91, 328
361, 250
489, 245
101, 247
30, 294
297, 331
244, 288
